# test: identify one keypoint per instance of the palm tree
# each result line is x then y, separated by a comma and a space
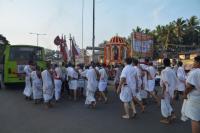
180, 26
192, 28
147, 31
138, 29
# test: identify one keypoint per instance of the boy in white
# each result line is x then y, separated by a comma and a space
168, 82
57, 82
127, 86
103, 82
192, 93
36, 85
91, 86
181, 78
48, 86
28, 89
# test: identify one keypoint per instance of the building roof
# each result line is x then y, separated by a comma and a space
117, 40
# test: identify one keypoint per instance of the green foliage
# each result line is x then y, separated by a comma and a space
3, 40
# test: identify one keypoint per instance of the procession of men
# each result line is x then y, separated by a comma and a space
134, 85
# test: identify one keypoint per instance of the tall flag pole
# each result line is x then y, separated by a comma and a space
70, 40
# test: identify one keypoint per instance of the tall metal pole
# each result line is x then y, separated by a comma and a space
37, 39
93, 37
82, 28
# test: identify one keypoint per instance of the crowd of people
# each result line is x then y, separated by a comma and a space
134, 82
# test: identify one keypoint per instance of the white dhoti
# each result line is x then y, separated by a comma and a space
81, 83
192, 107
133, 91
151, 85
143, 94
73, 84
85, 88
90, 97
102, 85
58, 84
166, 108
126, 94
47, 93
37, 89
181, 86
28, 89
90, 93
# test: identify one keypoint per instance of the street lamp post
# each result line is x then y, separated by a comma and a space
93, 34
37, 35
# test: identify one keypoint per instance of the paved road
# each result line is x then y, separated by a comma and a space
20, 116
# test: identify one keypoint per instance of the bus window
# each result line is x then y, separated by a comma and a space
26, 53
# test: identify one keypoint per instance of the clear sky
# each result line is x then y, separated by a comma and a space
55, 17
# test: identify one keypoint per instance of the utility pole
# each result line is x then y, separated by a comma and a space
37, 34
93, 34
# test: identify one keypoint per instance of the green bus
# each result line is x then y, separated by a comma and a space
13, 58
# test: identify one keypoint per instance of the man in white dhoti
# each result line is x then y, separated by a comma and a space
151, 74
175, 69
64, 78
103, 82
73, 81
36, 85
181, 79
48, 86
57, 82
144, 67
91, 86
127, 86
192, 93
168, 83
118, 71
28, 89
83, 75
137, 97
81, 80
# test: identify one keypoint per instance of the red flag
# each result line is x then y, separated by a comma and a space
57, 41
74, 48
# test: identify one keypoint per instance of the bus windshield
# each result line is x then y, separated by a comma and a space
25, 53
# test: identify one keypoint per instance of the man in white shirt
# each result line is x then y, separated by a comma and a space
57, 82
28, 91
137, 97
73, 81
181, 79
91, 86
127, 85
103, 82
168, 82
175, 69
192, 93
36, 84
151, 74
48, 86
